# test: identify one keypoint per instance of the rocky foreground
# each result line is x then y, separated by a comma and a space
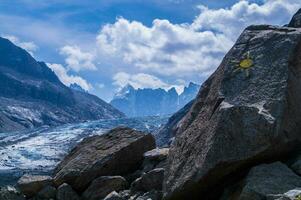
240, 139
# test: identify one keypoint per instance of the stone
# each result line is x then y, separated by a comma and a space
150, 181
266, 181
48, 192
113, 196
155, 158
103, 186
152, 195
118, 152
296, 20
10, 193
241, 117
295, 163
65, 192
133, 176
30, 185
294, 194
126, 194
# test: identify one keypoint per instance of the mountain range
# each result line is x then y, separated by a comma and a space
31, 95
152, 102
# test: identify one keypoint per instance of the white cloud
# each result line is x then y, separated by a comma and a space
142, 80
181, 50
78, 60
164, 48
30, 47
67, 79
230, 22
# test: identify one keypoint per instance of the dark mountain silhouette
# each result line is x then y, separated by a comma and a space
31, 94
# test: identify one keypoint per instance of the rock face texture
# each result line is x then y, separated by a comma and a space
31, 95
240, 119
296, 20
118, 152
152, 102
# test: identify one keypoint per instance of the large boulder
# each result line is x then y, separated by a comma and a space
266, 181
247, 112
30, 185
296, 20
118, 152
103, 186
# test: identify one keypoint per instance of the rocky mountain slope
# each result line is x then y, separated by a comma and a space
31, 95
166, 133
150, 102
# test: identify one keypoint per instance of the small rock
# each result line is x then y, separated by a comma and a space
294, 194
48, 192
103, 186
150, 181
126, 194
30, 185
65, 192
133, 176
296, 166
152, 195
10, 193
113, 196
155, 158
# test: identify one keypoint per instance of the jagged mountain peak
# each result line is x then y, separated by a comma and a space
148, 101
172, 90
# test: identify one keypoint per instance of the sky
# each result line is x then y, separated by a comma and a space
102, 45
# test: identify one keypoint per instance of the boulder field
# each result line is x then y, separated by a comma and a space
240, 139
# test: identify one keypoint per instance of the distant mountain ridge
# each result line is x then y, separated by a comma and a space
31, 95
150, 102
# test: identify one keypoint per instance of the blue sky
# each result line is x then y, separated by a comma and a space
104, 44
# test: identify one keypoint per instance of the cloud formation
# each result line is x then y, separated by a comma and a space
30, 47
181, 50
67, 79
78, 60
164, 48
142, 80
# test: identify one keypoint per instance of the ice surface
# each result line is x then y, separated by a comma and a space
39, 150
